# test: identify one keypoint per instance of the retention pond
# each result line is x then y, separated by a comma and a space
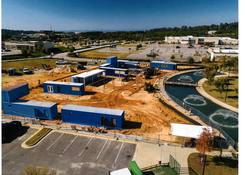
211, 113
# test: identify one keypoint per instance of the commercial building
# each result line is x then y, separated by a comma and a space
88, 77
201, 40
163, 65
93, 116
218, 52
14, 93
31, 109
63, 87
29, 45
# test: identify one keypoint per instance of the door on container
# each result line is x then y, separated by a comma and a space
50, 88
113, 122
40, 114
103, 121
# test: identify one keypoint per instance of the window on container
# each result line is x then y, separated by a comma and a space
50, 88
75, 89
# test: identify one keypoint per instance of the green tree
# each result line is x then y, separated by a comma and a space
190, 60
210, 72
172, 57
138, 46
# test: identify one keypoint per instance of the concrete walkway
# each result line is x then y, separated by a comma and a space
147, 154
201, 90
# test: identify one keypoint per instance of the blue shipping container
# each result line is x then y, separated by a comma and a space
163, 65
31, 109
111, 71
92, 116
14, 93
112, 60
63, 87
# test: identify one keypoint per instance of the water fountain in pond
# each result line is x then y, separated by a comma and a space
224, 118
185, 79
195, 100
199, 73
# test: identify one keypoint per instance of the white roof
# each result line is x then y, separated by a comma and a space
162, 62
64, 83
35, 103
89, 74
90, 109
124, 171
184, 130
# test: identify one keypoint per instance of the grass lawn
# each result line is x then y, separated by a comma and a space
101, 54
232, 96
38, 136
214, 165
29, 63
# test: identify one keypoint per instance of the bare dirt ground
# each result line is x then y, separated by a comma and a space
145, 114
39, 76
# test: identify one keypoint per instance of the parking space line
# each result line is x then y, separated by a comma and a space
90, 140
118, 153
55, 141
66, 148
101, 150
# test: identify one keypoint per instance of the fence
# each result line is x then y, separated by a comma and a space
205, 119
174, 164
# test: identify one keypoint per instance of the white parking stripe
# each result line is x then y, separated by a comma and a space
118, 153
66, 148
101, 150
86, 146
55, 141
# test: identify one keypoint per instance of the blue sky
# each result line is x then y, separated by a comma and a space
114, 14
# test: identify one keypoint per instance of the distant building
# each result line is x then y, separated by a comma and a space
29, 45
219, 52
211, 32
201, 40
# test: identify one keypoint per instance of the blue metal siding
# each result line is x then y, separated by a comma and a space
164, 66
10, 95
112, 61
63, 89
38, 112
91, 119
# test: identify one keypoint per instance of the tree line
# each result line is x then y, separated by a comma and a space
222, 29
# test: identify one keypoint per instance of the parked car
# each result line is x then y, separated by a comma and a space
27, 71
178, 47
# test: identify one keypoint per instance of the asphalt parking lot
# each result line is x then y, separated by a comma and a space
67, 154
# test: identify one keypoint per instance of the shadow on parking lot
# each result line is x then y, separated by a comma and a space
131, 125
12, 130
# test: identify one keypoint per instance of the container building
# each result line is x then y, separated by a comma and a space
15, 92
163, 65
31, 109
128, 64
112, 71
93, 116
88, 77
63, 87
112, 61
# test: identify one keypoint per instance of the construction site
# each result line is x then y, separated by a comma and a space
136, 93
